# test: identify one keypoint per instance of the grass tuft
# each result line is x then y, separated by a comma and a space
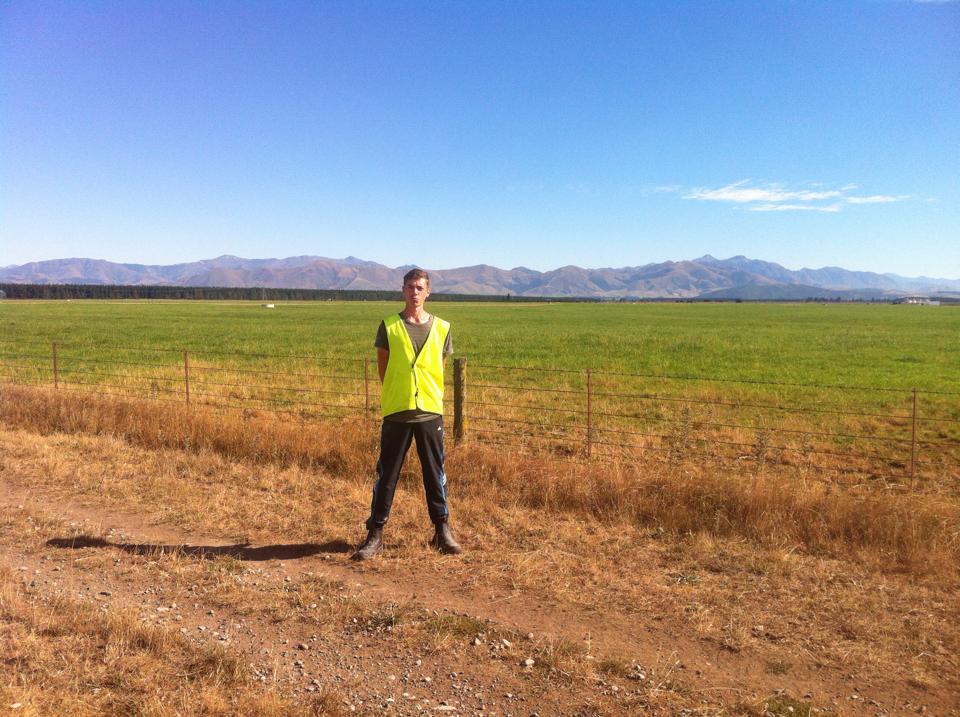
456, 626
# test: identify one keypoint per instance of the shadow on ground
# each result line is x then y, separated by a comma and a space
239, 551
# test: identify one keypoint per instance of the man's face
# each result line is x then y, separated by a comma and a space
415, 292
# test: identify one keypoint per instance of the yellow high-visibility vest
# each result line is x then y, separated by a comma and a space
413, 381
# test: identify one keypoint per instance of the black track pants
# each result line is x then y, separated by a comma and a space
395, 440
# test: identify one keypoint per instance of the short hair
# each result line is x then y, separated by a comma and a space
415, 274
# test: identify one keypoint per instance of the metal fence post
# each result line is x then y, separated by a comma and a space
186, 374
589, 414
459, 398
56, 368
913, 439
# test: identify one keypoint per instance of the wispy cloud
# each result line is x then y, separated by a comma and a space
776, 197
740, 192
877, 199
795, 207
646, 191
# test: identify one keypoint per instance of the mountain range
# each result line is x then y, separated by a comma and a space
705, 277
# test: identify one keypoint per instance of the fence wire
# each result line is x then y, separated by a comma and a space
899, 435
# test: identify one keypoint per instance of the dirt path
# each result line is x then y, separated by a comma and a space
365, 664
376, 666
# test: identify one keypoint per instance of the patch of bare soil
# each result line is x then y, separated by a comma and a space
519, 625
308, 622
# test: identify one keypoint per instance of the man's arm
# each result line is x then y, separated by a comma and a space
382, 357
447, 348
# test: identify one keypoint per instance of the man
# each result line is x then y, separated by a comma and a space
412, 348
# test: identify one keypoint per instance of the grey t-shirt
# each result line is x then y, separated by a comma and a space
418, 334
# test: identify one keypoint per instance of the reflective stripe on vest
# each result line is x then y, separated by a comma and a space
413, 381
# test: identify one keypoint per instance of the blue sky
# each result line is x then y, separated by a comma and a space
508, 133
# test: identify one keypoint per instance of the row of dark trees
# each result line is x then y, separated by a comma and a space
111, 291
223, 293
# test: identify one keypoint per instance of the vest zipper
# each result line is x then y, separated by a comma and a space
413, 366
416, 386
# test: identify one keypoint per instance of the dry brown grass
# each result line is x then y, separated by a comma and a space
718, 588
61, 657
914, 533
247, 435
894, 530
717, 556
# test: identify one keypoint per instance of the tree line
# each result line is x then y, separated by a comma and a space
222, 293
256, 293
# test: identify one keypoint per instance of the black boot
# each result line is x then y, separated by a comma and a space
372, 546
443, 540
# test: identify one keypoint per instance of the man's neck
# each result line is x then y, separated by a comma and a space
417, 315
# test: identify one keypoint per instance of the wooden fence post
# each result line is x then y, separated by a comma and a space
913, 439
459, 398
589, 414
56, 368
186, 374
366, 384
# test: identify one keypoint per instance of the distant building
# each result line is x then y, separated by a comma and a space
917, 300
3, 294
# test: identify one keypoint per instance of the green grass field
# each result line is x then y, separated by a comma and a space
797, 377
868, 345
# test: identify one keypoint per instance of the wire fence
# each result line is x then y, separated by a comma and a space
899, 436
857, 433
